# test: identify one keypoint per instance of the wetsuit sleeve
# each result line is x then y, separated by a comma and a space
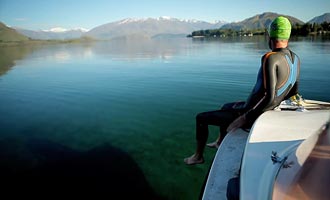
295, 87
269, 84
294, 90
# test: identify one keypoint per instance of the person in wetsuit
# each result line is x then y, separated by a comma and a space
277, 80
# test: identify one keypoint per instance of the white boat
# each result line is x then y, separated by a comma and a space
268, 159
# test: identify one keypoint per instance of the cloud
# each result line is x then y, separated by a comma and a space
20, 19
56, 30
62, 30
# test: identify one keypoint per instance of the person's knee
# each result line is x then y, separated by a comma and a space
200, 117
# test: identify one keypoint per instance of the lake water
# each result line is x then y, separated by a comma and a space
117, 118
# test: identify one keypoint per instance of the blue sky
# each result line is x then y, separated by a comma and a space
46, 14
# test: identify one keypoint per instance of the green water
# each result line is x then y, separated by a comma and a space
118, 117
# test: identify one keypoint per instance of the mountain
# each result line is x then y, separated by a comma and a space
320, 19
260, 21
149, 28
10, 35
52, 34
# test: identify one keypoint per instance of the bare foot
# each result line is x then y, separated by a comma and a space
213, 144
192, 160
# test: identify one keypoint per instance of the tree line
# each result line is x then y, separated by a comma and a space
297, 30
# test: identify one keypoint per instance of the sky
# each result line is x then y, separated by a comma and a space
68, 14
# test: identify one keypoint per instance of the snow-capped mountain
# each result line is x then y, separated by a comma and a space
150, 27
127, 28
57, 33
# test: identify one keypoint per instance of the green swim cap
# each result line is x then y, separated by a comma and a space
280, 28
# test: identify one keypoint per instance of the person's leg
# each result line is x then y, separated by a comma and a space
218, 118
222, 134
235, 107
202, 131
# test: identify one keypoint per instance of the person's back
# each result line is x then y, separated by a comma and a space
277, 80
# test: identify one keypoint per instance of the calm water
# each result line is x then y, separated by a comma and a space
118, 117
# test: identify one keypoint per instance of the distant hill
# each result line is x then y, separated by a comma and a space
320, 19
162, 27
53, 34
260, 21
149, 28
10, 35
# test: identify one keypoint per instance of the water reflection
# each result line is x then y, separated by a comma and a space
145, 49
125, 49
63, 52
163, 49
58, 53
8, 56
115, 49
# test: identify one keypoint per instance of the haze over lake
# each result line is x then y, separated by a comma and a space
118, 117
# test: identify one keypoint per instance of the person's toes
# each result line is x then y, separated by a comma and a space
193, 160
213, 145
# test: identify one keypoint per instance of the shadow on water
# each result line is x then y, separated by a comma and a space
40, 168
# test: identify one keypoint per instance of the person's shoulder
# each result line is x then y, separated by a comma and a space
294, 54
270, 59
290, 54
270, 54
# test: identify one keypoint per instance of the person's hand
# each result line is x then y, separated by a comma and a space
238, 105
237, 123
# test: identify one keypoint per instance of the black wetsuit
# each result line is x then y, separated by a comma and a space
277, 80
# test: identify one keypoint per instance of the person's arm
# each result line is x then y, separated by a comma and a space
269, 80
294, 89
